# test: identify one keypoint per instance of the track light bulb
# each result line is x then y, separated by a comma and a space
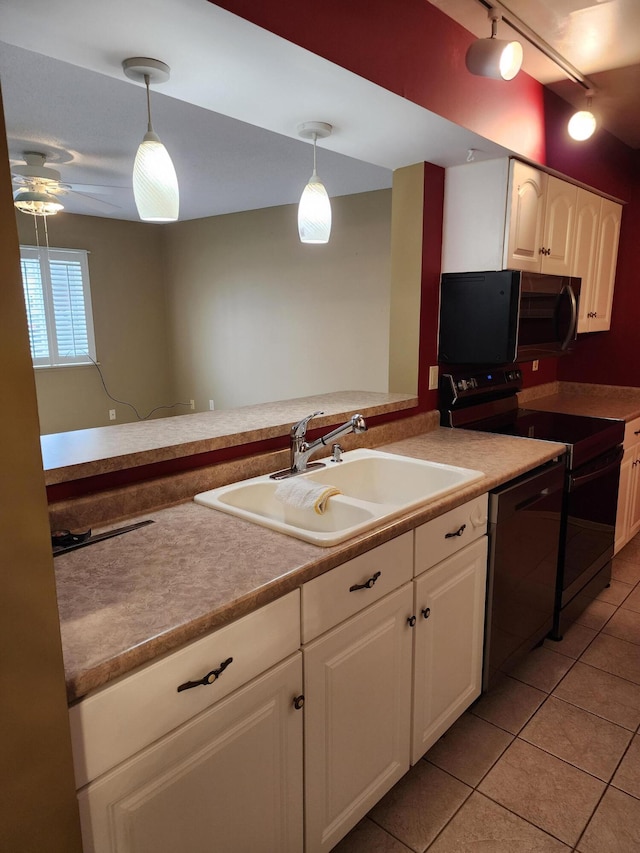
582, 124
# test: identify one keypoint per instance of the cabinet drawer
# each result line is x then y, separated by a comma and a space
443, 536
121, 718
632, 433
330, 599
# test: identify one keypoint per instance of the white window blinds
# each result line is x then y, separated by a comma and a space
58, 303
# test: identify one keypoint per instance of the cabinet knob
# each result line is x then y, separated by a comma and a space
411, 621
298, 701
426, 612
209, 678
636, 432
367, 584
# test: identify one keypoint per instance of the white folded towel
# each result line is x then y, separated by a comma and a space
304, 494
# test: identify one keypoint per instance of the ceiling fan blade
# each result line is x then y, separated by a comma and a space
98, 189
95, 203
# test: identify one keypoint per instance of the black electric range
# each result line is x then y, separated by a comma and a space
486, 400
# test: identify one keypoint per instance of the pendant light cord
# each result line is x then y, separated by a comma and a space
315, 136
146, 82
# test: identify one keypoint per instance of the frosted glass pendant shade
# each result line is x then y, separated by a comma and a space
314, 213
582, 125
155, 184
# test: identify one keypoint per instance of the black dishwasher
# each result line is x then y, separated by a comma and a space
524, 535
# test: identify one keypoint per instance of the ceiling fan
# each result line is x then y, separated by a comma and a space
39, 188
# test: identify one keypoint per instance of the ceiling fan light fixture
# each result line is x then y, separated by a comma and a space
36, 203
493, 57
314, 209
155, 183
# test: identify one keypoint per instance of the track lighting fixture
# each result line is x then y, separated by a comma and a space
155, 184
582, 123
493, 57
314, 209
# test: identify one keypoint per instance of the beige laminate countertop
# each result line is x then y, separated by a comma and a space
102, 450
126, 600
580, 398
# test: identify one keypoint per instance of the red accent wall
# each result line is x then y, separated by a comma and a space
415, 50
430, 294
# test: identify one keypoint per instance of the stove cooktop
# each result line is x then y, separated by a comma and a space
585, 437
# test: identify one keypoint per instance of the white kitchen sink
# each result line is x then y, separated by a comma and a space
374, 487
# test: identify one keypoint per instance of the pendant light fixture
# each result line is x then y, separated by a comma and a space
155, 184
314, 209
493, 57
582, 124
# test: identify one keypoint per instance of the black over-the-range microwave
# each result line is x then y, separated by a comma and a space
503, 316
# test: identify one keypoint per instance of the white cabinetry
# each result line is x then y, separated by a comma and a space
357, 687
628, 514
448, 642
391, 656
230, 779
171, 770
505, 214
594, 258
540, 222
384, 684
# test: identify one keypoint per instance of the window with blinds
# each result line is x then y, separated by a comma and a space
58, 302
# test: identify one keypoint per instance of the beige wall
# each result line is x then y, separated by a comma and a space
258, 316
230, 308
406, 277
38, 808
129, 309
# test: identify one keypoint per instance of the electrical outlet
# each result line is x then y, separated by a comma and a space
433, 378
211, 406
534, 366
192, 403
112, 414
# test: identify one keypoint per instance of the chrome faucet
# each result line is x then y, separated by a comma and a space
301, 449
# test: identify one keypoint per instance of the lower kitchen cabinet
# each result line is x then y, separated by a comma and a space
357, 686
391, 655
628, 513
228, 780
447, 643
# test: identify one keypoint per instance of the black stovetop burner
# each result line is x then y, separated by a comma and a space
486, 400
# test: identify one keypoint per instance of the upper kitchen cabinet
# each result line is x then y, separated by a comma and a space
594, 258
505, 214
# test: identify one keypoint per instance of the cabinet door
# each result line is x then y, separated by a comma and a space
448, 643
357, 686
525, 220
228, 780
609, 234
627, 469
633, 512
559, 226
585, 251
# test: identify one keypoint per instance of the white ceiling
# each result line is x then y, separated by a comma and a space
229, 113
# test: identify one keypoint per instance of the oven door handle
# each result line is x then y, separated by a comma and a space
574, 316
587, 478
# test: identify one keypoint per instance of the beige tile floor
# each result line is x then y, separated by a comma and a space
549, 760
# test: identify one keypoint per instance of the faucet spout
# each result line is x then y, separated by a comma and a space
301, 449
